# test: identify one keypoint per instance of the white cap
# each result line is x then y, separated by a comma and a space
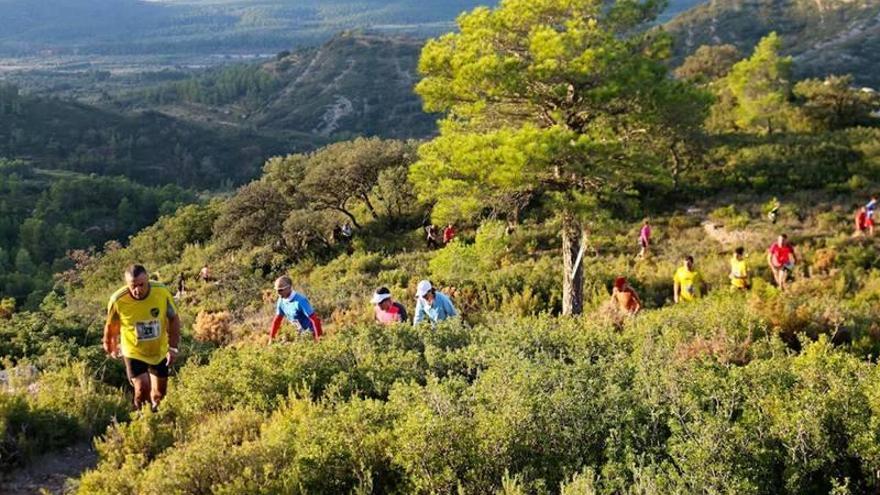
379, 297
423, 288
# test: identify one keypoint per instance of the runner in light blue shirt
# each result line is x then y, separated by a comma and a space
431, 305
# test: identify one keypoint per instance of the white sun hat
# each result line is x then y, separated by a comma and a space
423, 288
379, 297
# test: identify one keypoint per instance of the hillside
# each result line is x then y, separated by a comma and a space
830, 37
511, 396
47, 214
584, 355
355, 84
147, 147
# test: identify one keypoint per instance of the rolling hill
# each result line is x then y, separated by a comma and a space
824, 37
147, 147
355, 84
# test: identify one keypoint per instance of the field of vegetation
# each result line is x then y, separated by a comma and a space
550, 153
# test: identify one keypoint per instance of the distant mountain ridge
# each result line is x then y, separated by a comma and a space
215, 26
355, 84
206, 26
823, 36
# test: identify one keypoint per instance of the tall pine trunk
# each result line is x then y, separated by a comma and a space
572, 277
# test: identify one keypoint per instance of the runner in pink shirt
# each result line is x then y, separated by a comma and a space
645, 238
388, 311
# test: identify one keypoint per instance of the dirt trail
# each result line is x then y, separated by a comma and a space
49, 473
727, 238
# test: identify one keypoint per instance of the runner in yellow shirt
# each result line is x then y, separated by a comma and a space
739, 270
687, 284
142, 320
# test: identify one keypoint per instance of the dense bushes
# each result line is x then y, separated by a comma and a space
694, 398
57, 409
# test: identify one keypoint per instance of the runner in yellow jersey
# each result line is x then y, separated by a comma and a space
687, 284
739, 270
142, 320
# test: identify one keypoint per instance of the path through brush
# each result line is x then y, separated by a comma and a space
50, 472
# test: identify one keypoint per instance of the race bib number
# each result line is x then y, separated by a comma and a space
147, 330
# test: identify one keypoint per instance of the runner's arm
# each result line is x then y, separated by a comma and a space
111, 336
173, 337
417, 317
111, 330
276, 325
316, 325
676, 290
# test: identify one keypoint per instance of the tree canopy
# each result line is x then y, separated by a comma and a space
543, 97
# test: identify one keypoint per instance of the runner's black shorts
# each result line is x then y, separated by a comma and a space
136, 367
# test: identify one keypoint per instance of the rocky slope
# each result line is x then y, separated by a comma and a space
824, 36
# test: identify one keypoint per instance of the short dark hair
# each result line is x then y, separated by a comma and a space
135, 271
689, 258
383, 290
784, 236
740, 250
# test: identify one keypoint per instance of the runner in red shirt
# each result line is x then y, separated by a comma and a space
448, 234
781, 258
861, 221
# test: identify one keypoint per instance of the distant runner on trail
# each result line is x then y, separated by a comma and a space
448, 234
870, 209
431, 236
142, 320
644, 238
739, 270
625, 297
432, 305
773, 213
687, 284
861, 221
781, 258
388, 311
294, 307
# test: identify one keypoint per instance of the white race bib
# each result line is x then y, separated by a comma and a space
147, 330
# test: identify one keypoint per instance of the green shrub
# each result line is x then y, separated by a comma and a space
59, 408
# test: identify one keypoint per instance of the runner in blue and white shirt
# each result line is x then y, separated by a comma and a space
432, 305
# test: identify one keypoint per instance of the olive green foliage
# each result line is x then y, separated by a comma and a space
760, 89
57, 409
147, 147
569, 110
695, 398
544, 108
708, 63
357, 182
245, 83
794, 162
833, 103
44, 215
344, 173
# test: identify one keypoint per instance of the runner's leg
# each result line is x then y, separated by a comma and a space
159, 386
141, 384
